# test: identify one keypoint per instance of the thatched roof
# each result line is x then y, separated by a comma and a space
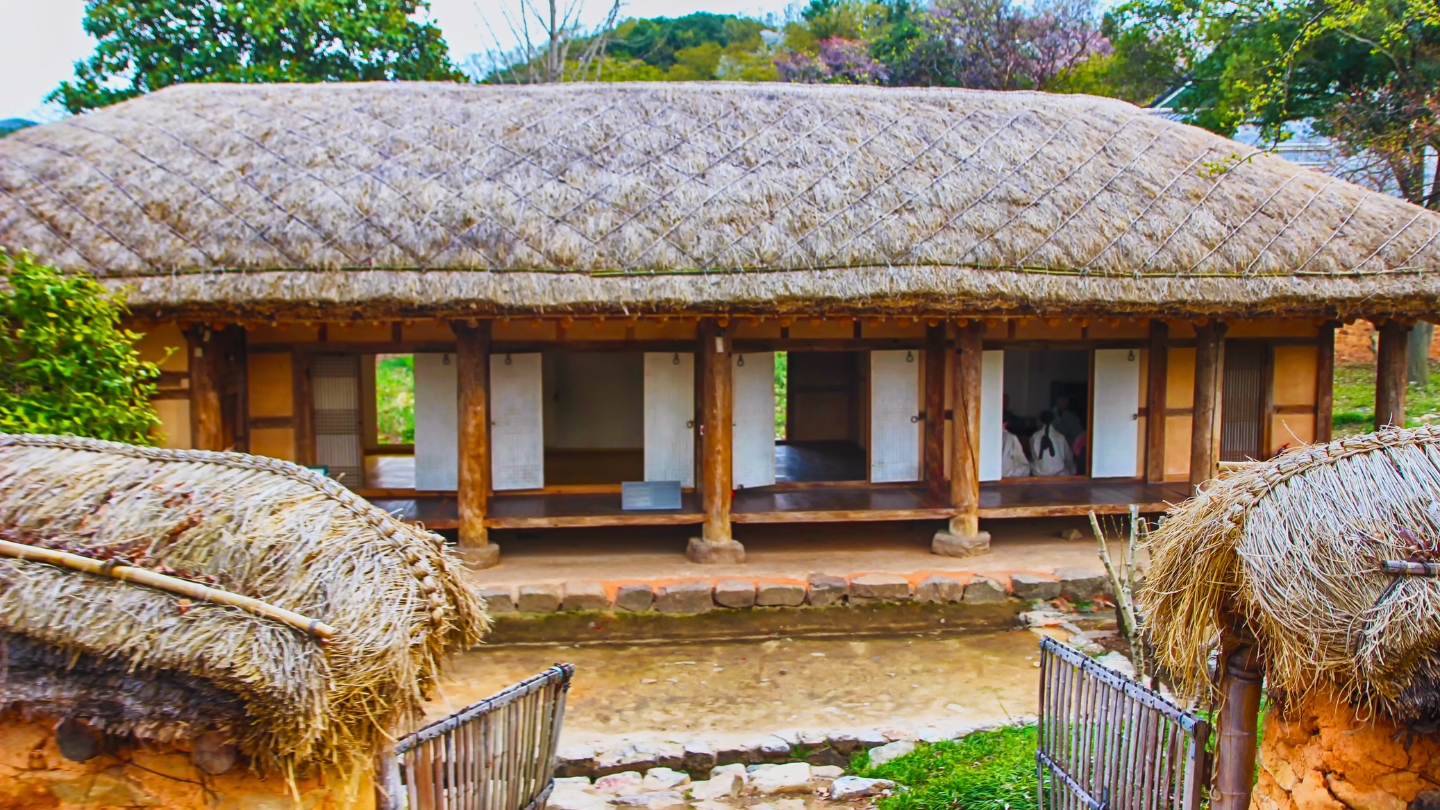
388, 198
138, 661
1292, 549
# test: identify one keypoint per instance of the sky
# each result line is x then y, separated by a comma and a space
40, 40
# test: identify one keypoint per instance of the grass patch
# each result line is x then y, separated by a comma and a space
987, 770
1354, 409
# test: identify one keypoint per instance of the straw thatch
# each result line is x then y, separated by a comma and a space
1291, 550
145, 663
388, 198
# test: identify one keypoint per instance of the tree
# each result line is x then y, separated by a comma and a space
145, 45
66, 366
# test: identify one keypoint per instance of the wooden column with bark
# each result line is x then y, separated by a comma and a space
717, 407
963, 537
472, 354
1240, 681
206, 431
1325, 385
937, 354
1390, 373
1209, 380
1157, 389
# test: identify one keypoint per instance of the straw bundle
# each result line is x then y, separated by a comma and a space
1293, 550
145, 662
452, 200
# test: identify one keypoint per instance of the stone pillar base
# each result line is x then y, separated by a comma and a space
486, 556
719, 552
953, 545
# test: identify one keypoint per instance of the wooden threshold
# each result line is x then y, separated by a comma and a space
582, 521
1067, 510
842, 516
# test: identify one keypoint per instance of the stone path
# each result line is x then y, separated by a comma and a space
770, 786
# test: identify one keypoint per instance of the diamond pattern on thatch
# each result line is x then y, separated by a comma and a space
914, 187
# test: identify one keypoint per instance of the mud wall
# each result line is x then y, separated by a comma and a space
1324, 757
1354, 343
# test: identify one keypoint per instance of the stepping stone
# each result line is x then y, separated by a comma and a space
827, 589
542, 598
793, 777
635, 598
780, 594
498, 599
735, 593
685, 597
1081, 584
1032, 588
879, 588
585, 596
984, 591
938, 589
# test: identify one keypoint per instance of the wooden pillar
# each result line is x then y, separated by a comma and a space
717, 418
206, 431
937, 353
1158, 380
1325, 385
1390, 374
1209, 380
472, 354
965, 447
1239, 715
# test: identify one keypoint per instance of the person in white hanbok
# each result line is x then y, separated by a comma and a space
1050, 450
1012, 453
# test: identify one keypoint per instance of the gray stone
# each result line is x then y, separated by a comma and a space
480, 557
936, 588
585, 596
953, 545
542, 598
664, 779
572, 782
498, 599
827, 771
736, 768
826, 757
719, 552
621, 782
879, 588
1426, 800
635, 757
735, 593
685, 597
669, 755
984, 591
827, 589
780, 594
809, 739
1080, 584
719, 786
699, 756
854, 787
847, 743
571, 799
885, 753
774, 749
735, 753
575, 760
635, 598
1030, 587
793, 777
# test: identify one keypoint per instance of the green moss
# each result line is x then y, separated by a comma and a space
987, 770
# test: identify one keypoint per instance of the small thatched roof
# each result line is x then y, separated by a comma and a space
1292, 548
403, 198
138, 661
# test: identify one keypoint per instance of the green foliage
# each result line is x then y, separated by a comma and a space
395, 398
782, 392
145, 45
986, 770
1354, 408
66, 366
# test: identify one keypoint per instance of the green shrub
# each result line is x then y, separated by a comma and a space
987, 770
66, 366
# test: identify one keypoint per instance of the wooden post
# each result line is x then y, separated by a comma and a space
206, 431
937, 352
1325, 385
472, 353
1209, 380
717, 419
1390, 374
1239, 715
963, 537
1155, 401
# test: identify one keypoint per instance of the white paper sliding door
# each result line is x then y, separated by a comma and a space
992, 414
753, 439
517, 428
894, 416
437, 422
670, 417
1115, 442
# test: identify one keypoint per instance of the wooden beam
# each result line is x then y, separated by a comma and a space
843, 515
965, 447
1209, 379
1325, 385
304, 408
206, 431
1390, 374
937, 354
1158, 384
717, 418
472, 353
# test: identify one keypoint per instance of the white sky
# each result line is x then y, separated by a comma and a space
40, 40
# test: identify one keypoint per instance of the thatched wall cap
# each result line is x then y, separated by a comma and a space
662, 197
1291, 551
140, 661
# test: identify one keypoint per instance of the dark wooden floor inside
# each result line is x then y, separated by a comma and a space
1076, 496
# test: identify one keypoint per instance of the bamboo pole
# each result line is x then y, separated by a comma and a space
161, 582
1239, 716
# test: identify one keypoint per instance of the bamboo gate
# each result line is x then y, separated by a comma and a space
498, 754
1107, 742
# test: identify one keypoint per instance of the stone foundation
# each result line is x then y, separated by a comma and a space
35, 775
1324, 757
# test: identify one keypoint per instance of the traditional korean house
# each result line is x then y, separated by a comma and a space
611, 284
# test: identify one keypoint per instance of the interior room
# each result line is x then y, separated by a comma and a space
1057, 381
594, 417
826, 395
